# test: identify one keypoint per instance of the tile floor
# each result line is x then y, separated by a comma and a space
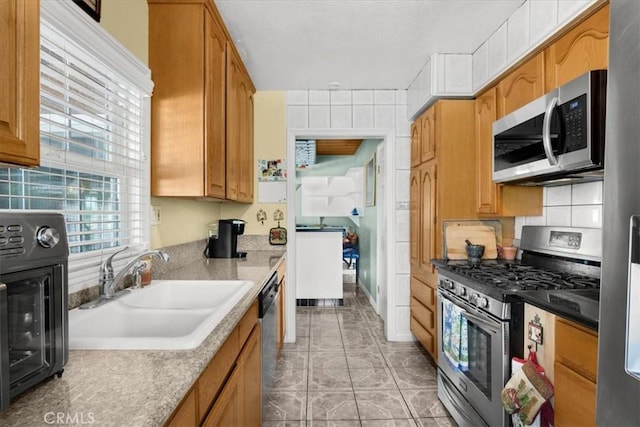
343, 372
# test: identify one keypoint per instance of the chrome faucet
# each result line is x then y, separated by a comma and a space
108, 281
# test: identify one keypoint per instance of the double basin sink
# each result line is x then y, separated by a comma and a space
166, 315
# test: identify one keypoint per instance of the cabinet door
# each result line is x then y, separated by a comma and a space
226, 412
522, 86
233, 123
584, 48
575, 398
488, 191
428, 221
428, 135
186, 414
20, 88
214, 108
416, 128
414, 218
250, 368
245, 166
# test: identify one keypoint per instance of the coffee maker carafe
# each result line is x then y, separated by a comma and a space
225, 243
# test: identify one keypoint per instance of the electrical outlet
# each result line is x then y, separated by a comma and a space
155, 215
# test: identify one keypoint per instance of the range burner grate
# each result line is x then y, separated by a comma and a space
518, 277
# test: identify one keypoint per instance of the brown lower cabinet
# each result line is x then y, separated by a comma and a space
229, 390
575, 370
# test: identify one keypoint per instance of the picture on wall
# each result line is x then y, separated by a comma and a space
370, 185
91, 7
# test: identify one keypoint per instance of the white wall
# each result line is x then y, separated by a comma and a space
576, 205
371, 109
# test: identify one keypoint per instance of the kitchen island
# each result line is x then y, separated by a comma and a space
319, 265
139, 388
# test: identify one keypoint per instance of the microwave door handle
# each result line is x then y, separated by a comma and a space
546, 132
4, 348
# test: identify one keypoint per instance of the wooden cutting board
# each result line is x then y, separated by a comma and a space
456, 235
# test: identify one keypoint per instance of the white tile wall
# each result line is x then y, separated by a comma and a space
319, 116
518, 32
298, 116
402, 226
363, 116
362, 97
319, 97
403, 266
402, 185
340, 97
577, 205
383, 116
403, 288
369, 109
341, 116
403, 153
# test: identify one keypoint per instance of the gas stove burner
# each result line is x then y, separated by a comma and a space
511, 277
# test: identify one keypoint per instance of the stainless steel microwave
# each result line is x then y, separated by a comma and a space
558, 138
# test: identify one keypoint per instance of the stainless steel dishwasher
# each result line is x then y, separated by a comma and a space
268, 318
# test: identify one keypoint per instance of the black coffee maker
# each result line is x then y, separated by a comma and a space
225, 243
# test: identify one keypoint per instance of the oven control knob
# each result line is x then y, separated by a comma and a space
461, 291
450, 285
482, 302
47, 237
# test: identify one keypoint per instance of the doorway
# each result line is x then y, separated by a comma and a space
381, 295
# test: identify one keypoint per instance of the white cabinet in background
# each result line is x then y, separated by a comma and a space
333, 195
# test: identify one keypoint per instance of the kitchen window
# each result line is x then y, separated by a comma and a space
94, 140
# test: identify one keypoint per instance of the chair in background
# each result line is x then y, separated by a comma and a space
351, 256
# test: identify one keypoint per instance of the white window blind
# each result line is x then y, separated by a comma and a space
94, 136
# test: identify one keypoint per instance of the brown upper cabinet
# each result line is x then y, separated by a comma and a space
496, 199
20, 89
415, 142
202, 107
521, 86
583, 48
428, 135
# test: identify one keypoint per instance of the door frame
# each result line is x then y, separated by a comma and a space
388, 139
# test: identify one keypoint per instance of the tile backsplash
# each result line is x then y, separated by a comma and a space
576, 205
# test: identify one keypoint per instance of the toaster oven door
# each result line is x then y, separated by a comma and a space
4, 351
29, 315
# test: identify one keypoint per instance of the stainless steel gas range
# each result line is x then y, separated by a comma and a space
481, 319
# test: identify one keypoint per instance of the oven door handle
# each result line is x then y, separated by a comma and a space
546, 132
461, 410
4, 348
480, 320
493, 325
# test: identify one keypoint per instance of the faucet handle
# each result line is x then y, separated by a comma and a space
106, 269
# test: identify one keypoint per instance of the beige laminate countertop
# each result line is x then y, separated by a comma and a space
135, 387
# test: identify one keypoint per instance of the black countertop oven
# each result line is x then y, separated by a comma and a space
33, 300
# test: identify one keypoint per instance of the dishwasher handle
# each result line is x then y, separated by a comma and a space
267, 295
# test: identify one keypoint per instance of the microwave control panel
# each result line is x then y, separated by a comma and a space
573, 119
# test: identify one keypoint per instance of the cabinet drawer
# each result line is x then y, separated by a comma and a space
423, 314
426, 338
423, 292
575, 398
185, 414
215, 373
577, 348
248, 322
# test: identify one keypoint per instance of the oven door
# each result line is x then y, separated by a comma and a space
480, 385
31, 331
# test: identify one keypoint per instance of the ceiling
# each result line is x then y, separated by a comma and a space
362, 44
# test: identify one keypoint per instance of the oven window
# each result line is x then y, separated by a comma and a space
28, 322
479, 348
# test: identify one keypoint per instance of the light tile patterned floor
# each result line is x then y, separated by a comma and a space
342, 372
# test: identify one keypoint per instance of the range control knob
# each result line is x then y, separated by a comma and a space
47, 237
461, 290
450, 285
482, 302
